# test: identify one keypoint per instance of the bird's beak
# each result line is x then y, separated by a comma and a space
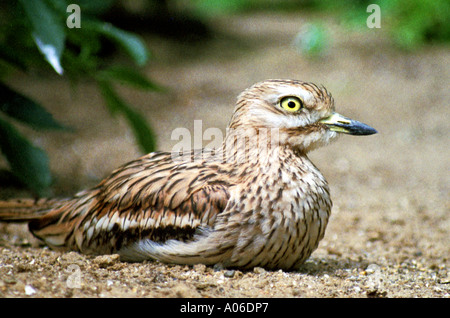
337, 122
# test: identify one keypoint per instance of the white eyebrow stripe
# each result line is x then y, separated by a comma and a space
282, 91
280, 120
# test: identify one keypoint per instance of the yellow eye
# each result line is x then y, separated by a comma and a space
291, 103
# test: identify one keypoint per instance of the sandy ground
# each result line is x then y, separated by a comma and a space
389, 232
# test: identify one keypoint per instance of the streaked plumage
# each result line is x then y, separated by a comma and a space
254, 202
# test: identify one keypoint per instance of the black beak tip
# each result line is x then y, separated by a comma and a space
363, 130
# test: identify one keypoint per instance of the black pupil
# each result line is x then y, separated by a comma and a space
291, 104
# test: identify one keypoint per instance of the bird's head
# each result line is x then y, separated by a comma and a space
301, 114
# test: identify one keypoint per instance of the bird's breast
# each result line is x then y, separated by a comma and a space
282, 217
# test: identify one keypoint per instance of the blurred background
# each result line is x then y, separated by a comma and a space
84, 89
117, 87
75, 103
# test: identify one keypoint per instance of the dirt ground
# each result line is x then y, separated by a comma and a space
389, 234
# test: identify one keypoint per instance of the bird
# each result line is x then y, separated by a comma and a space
257, 200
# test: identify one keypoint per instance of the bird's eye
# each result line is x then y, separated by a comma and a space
291, 103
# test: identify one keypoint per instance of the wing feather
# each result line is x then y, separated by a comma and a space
150, 198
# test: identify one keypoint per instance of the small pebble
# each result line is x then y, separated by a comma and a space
445, 280
218, 267
229, 273
372, 268
29, 290
71, 258
201, 268
106, 260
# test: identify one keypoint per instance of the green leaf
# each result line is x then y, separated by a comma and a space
28, 163
128, 76
132, 44
111, 99
22, 108
142, 131
47, 30
311, 40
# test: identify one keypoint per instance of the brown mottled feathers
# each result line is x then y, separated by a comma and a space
25, 210
255, 201
152, 198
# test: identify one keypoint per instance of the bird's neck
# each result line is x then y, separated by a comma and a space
259, 151
253, 145
257, 145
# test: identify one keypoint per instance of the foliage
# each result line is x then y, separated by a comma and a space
415, 22
35, 35
411, 23
212, 7
311, 40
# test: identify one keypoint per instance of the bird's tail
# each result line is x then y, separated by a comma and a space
25, 210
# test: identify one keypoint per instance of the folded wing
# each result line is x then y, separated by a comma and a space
153, 198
